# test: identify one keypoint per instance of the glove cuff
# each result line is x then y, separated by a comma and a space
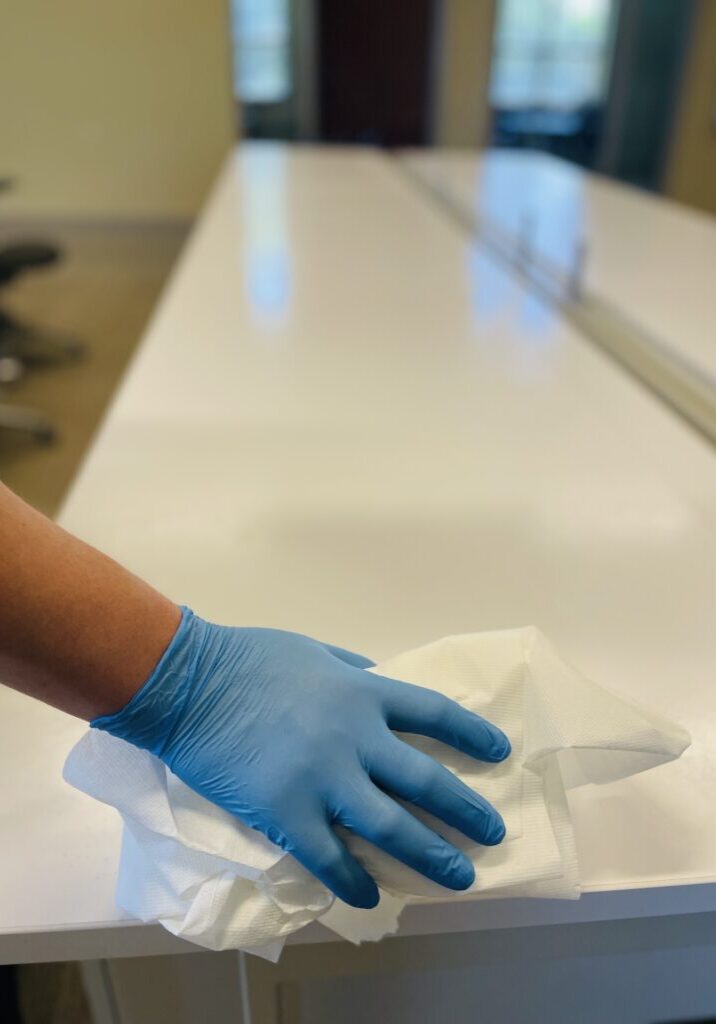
146, 720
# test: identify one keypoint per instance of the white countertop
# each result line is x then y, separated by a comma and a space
649, 257
344, 419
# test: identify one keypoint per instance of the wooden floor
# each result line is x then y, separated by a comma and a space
103, 292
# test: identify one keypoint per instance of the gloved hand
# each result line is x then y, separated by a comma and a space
293, 736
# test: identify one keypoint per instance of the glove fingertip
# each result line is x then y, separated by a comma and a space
367, 898
501, 748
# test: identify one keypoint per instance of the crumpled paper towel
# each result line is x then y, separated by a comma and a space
212, 880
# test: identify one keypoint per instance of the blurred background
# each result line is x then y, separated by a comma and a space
115, 118
125, 114
624, 87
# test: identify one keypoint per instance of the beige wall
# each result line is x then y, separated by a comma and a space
113, 108
462, 69
691, 173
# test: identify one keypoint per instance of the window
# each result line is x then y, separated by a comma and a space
550, 54
262, 61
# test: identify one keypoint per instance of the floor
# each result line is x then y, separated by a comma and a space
102, 292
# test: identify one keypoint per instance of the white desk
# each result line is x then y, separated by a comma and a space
648, 257
345, 420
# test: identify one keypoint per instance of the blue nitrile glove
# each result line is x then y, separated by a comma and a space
292, 736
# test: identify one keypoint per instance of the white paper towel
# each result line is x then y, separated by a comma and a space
212, 880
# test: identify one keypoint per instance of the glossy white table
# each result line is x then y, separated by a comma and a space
345, 419
650, 259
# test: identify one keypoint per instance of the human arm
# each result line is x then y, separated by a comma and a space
290, 735
77, 630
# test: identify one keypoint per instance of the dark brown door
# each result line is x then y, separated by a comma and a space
374, 72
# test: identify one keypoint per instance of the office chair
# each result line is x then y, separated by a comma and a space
23, 342
23, 345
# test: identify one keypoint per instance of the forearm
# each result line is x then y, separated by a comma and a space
76, 629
